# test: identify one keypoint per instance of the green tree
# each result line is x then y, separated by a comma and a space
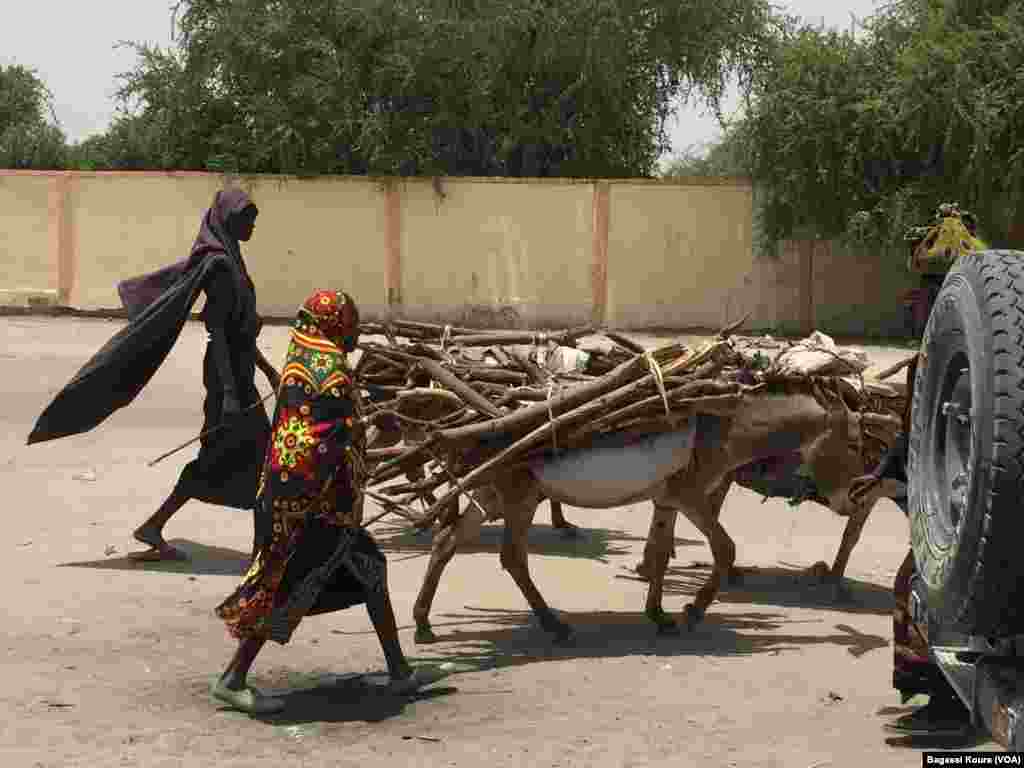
29, 134
864, 136
480, 87
723, 157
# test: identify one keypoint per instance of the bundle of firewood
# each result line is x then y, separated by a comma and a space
473, 404
465, 405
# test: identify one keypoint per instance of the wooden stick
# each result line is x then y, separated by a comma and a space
501, 356
529, 367
412, 457
726, 332
528, 417
491, 375
629, 344
894, 369
434, 329
540, 433
198, 437
469, 395
427, 393
520, 337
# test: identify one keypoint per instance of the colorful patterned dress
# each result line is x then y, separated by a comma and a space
310, 491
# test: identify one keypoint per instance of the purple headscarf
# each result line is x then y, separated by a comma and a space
137, 293
213, 234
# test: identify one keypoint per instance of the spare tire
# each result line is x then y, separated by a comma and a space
966, 452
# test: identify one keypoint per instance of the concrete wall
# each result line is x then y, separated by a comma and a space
677, 254
473, 248
27, 246
668, 254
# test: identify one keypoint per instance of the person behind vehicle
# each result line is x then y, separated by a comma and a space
933, 252
935, 249
309, 510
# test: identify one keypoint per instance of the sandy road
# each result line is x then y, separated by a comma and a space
106, 662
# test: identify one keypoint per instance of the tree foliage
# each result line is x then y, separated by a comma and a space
863, 136
29, 134
724, 157
431, 87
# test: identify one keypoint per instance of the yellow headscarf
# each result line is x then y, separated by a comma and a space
945, 242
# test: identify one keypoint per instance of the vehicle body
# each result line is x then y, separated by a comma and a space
965, 478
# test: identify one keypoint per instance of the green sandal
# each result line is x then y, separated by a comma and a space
248, 700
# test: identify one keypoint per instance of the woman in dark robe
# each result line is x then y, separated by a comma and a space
309, 511
226, 472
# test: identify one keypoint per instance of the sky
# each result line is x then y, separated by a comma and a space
73, 46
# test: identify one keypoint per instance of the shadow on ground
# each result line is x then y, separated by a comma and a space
324, 698
203, 560
787, 587
591, 543
482, 638
971, 741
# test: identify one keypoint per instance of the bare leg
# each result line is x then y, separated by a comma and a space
151, 532
231, 687
404, 679
378, 605
234, 677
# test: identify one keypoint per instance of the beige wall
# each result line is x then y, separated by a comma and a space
315, 234
125, 227
539, 252
27, 260
470, 246
677, 255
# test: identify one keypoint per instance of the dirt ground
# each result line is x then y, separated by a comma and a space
107, 662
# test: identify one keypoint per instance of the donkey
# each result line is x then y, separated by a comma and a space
827, 437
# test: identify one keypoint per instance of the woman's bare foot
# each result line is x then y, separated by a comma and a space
159, 549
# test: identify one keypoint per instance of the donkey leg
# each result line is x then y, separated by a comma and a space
703, 510
657, 552
648, 564
558, 521
851, 535
514, 559
446, 541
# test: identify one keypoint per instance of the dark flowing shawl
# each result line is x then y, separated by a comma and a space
158, 305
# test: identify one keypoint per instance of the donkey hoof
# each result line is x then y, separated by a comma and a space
569, 531
668, 628
841, 593
693, 616
819, 573
565, 638
562, 634
663, 622
424, 636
